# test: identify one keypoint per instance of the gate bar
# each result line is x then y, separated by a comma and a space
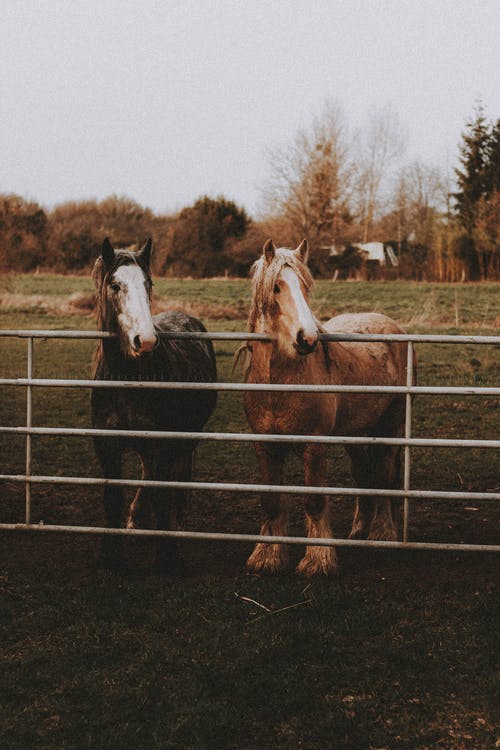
406, 471
252, 437
29, 420
271, 387
431, 338
219, 536
241, 487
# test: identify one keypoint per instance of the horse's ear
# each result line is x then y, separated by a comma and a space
303, 251
145, 253
108, 254
269, 250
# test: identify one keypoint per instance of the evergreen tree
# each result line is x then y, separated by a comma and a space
492, 176
478, 179
472, 175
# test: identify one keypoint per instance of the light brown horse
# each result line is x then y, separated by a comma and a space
280, 308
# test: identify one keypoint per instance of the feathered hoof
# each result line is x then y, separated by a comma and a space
383, 532
320, 563
267, 559
358, 532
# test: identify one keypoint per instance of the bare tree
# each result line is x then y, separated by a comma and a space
425, 190
380, 145
310, 180
419, 221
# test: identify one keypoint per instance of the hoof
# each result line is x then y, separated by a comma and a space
358, 532
268, 559
318, 561
383, 532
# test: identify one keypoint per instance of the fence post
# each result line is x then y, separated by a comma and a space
29, 422
406, 474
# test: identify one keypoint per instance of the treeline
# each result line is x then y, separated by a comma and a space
210, 238
335, 187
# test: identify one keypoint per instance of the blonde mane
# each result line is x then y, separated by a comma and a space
264, 277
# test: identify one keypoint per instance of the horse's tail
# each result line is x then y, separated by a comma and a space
243, 356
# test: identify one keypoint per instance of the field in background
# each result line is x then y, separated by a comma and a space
427, 304
396, 652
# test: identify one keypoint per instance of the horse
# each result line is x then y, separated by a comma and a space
280, 308
137, 352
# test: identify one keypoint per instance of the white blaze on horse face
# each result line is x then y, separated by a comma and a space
134, 314
298, 330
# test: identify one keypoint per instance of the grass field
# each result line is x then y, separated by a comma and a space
397, 651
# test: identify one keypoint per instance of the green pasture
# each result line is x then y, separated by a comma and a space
428, 304
397, 651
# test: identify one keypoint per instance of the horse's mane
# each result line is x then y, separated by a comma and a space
264, 277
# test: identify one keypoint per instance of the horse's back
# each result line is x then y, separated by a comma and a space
190, 359
382, 362
177, 320
362, 323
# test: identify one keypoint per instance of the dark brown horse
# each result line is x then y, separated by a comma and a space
280, 308
136, 352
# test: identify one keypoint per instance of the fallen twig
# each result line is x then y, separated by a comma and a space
251, 601
282, 609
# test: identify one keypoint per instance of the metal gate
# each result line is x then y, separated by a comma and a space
28, 478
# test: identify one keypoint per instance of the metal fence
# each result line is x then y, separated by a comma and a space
407, 442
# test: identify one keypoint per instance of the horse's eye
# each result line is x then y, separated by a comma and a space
115, 287
277, 290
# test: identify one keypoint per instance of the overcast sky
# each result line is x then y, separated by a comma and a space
166, 101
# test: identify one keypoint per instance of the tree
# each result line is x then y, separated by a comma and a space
77, 229
310, 182
478, 180
202, 235
23, 233
486, 235
415, 224
379, 146
243, 252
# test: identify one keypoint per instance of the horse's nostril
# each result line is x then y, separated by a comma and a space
137, 343
303, 345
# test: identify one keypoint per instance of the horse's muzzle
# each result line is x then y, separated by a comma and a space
143, 344
305, 345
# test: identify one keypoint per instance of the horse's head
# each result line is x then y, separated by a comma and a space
123, 282
281, 285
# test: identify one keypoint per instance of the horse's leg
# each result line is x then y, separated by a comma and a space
169, 508
317, 560
387, 475
360, 469
386, 467
139, 514
109, 456
271, 558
